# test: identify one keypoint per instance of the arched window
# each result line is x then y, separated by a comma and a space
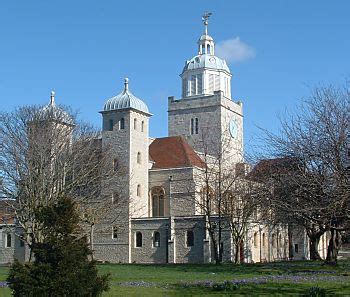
135, 124
197, 126
115, 198
189, 238
156, 239
138, 239
255, 239
274, 238
8, 240
208, 204
263, 239
138, 191
192, 126
111, 124
122, 124
115, 232
208, 49
142, 126
158, 197
203, 48
139, 158
115, 165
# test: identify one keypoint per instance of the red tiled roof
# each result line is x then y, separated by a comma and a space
172, 152
6, 212
265, 168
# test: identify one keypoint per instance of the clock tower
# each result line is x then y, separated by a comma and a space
206, 115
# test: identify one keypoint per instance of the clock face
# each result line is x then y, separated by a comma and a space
233, 128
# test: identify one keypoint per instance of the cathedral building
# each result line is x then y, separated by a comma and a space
160, 218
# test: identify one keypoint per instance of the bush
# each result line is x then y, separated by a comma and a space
225, 286
62, 266
315, 292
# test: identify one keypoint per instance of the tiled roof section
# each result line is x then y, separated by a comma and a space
269, 167
6, 211
173, 152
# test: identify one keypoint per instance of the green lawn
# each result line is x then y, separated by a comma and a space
278, 279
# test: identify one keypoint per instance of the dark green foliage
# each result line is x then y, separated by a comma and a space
225, 286
315, 292
62, 266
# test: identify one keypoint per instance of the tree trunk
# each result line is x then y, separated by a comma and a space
333, 247
314, 241
237, 253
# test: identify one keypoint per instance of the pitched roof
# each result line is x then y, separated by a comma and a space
6, 211
267, 167
173, 152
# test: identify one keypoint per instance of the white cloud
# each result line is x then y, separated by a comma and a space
234, 50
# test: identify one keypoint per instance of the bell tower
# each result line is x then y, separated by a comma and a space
206, 115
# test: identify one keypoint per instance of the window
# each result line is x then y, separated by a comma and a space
274, 240
115, 165
158, 199
139, 158
208, 49
263, 239
135, 124
203, 48
21, 240
115, 197
138, 191
296, 248
122, 124
189, 238
8, 240
208, 200
255, 239
192, 126
156, 239
197, 126
115, 232
138, 239
142, 126
111, 124
193, 85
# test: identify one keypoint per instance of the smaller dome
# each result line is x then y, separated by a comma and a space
206, 37
206, 61
53, 112
125, 100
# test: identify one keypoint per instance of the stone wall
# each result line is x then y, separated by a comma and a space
149, 252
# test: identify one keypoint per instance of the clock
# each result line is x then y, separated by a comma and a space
233, 128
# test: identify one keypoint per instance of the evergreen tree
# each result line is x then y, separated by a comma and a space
62, 266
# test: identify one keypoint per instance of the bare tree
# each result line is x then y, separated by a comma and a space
45, 154
225, 196
312, 190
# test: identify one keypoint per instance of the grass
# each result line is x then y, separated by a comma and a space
182, 279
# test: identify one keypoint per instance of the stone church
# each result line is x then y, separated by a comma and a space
160, 221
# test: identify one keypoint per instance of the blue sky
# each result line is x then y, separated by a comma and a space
84, 49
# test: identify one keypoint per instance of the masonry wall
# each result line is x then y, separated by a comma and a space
17, 249
149, 252
182, 252
179, 191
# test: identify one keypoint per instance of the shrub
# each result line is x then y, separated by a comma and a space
315, 292
62, 266
225, 286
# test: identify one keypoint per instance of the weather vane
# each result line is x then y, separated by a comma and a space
205, 19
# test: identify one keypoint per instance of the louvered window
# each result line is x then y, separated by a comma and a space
217, 83
184, 88
211, 83
199, 84
193, 85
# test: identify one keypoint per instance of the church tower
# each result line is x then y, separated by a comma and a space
125, 134
206, 114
